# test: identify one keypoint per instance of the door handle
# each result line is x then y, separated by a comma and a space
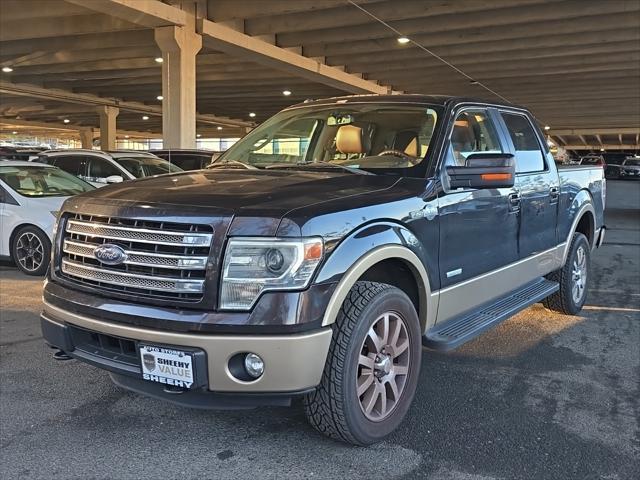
554, 193
514, 202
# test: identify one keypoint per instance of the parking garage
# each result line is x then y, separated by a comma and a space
542, 395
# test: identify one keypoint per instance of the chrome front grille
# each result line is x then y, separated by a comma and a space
163, 260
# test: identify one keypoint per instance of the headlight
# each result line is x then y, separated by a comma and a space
255, 265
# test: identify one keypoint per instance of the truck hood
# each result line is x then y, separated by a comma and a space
246, 193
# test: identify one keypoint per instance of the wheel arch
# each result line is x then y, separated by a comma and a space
583, 222
368, 266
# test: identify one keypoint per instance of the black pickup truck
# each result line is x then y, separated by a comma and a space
319, 255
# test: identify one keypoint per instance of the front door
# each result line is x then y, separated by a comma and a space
478, 228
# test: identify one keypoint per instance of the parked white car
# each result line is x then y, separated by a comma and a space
31, 195
101, 168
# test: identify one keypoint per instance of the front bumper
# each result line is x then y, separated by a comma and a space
293, 363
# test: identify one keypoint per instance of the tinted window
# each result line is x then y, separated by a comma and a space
146, 166
473, 131
190, 162
73, 164
100, 169
529, 157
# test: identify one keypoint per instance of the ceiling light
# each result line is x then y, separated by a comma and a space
219, 128
547, 127
7, 69
15, 133
602, 149
252, 114
145, 117
198, 135
66, 120
286, 93
403, 40
159, 59
160, 97
126, 136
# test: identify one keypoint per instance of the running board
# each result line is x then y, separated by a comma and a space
459, 330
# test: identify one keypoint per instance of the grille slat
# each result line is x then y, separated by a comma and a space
164, 260
145, 259
104, 275
141, 235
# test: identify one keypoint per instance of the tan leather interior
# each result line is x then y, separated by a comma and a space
412, 148
349, 139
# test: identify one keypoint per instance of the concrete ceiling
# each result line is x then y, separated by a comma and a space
575, 63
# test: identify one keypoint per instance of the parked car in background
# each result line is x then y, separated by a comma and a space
188, 159
629, 168
31, 195
101, 168
19, 153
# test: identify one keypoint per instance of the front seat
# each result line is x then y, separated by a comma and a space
407, 141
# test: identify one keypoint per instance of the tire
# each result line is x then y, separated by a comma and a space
31, 250
575, 272
335, 408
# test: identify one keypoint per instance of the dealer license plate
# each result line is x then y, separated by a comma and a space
166, 365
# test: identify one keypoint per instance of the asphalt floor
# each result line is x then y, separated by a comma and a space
541, 396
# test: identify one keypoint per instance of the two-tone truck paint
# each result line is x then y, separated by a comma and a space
319, 255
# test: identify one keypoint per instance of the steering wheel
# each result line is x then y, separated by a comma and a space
400, 154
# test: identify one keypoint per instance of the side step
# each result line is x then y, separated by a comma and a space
455, 332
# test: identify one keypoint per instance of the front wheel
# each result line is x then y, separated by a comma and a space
372, 368
572, 277
31, 250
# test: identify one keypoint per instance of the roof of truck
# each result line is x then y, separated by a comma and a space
402, 98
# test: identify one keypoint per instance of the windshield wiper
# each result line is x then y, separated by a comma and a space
355, 170
231, 164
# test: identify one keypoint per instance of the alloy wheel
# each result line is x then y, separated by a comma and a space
579, 275
383, 366
29, 251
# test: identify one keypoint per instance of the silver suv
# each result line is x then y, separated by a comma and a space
101, 168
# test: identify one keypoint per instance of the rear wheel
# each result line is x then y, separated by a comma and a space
372, 367
31, 250
572, 277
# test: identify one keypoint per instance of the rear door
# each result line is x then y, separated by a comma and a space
74, 164
537, 185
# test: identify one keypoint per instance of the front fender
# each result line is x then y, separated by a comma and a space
368, 246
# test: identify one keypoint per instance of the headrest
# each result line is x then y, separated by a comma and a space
412, 148
407, 142
349, 139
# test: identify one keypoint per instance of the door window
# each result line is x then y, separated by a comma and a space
100, 169
473, 131
529, 156
73, 164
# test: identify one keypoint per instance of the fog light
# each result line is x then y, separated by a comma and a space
254, 365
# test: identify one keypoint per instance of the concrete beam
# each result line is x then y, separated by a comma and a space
149, 13
69, 128
228, 40
89, 99
606, 146
595, 131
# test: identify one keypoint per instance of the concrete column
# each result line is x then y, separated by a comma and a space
86, 137
108, 126
179, 47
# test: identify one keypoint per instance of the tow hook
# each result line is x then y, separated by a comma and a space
174, 390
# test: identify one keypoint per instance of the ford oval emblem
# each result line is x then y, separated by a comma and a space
110, 254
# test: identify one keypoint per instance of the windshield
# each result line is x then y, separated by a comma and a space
36, 181
632, 162
374, 138
146, 166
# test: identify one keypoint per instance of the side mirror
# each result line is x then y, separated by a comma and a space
484, 170
114, 179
